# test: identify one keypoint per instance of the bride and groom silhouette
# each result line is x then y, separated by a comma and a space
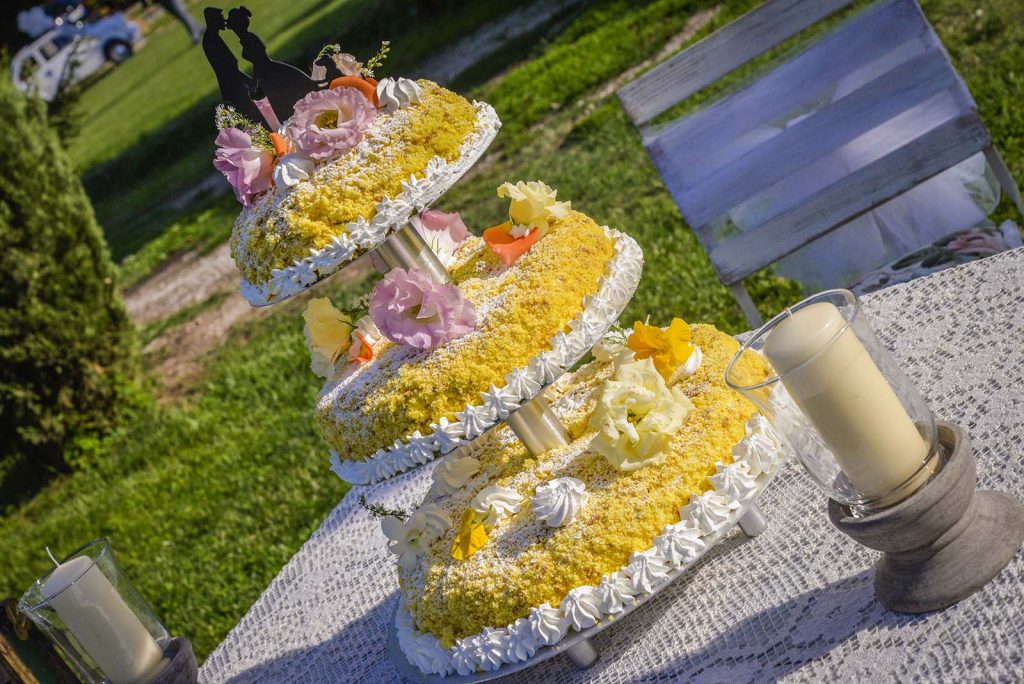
282, 84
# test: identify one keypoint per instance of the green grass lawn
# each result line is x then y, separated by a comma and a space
206, 500
202, 503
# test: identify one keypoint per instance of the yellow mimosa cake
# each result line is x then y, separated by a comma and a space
509, 553
331, 201
534, 318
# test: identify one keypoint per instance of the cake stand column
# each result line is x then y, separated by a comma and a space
537, 426
753, 521
407, 249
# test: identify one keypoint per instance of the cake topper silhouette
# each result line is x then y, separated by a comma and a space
282, 84
236, 87
330, 68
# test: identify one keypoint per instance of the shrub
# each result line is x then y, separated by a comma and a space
67, 347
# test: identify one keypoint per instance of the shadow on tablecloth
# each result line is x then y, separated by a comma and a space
308, 664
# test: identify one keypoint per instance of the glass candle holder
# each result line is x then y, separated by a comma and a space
858, 425
92, 612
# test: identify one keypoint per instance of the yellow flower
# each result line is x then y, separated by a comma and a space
328, 335
533, 206
472, 536
669, 348
637, 415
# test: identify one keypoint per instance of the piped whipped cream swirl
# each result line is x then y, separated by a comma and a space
614, 593
734, 481
496, 502
557, 502
646, 570
453, 473
521, 644
395, 93
680, 544
760, 450
708, 511
581, 607
547, 624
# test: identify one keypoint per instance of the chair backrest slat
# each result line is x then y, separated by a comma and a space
910, 84
859, 192
715, 136
719, 54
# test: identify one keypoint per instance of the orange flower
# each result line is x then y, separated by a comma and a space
669, 348
365, 350
280, 144
369, 90
507, 247
471, 538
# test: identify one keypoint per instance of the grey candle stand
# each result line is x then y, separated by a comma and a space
944, 541
182, 668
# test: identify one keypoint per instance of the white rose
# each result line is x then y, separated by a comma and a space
410, 539
533, 206
637, 415
291, 170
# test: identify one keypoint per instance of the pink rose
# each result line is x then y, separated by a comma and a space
442, 231
975, 242
432, 220
411, 309
248, 169
327, 123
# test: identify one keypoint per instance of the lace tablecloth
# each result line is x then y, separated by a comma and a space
795, 602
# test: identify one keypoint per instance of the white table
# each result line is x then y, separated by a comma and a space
794, 603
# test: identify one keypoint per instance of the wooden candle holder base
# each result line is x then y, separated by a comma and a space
944, 541
182, 667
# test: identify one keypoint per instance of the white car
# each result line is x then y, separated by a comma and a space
71, 52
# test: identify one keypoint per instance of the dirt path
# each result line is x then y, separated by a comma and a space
178, 356
693, 25
182, 281
459, 56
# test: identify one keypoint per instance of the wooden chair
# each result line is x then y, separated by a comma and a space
705, 195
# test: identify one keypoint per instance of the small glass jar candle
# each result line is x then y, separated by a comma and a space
858, 425
88, 608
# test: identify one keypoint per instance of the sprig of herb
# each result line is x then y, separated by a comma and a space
378, 59
226, 116
331, 49
361, 307
378, 511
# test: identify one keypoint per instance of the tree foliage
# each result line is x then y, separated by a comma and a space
67, 346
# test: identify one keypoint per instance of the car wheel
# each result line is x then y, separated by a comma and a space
117, 50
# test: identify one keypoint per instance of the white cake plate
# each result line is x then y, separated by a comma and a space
577, 645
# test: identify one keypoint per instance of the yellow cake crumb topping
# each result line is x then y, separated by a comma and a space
520, 309
526, 563
352, 185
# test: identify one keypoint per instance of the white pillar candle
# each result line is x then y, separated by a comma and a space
102, 622
848, 400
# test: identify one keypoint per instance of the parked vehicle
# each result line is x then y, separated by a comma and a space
73, 51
